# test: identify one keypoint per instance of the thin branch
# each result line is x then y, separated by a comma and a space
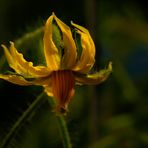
18, 124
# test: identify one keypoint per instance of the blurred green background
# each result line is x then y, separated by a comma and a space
111, 115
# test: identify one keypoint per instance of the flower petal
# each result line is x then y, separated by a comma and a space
21, 66
94, 79
19, 80
10, 59
15, 79
70, 53
87, 58
50, 49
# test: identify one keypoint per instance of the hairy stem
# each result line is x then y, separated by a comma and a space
62, 127
64, 132
18, 124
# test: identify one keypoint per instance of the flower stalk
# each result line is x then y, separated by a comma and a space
62, 126
64, 132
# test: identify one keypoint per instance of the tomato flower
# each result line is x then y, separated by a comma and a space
69, 54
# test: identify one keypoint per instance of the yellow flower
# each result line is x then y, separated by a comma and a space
69, 54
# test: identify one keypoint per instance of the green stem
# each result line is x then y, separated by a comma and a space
64, 132
18, 124
62, 127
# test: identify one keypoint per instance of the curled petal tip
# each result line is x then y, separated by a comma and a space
12, 43
53, 13
2, 45
110, 66
71, 22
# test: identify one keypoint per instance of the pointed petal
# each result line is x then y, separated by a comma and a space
87, 58
94, 79
19, 80
10, 59
21, 66
70, 53
15, 79
50, 49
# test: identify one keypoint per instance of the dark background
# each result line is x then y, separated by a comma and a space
111, 115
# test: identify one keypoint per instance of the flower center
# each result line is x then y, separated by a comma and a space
63, 88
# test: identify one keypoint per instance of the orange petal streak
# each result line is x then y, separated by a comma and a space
63, 88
